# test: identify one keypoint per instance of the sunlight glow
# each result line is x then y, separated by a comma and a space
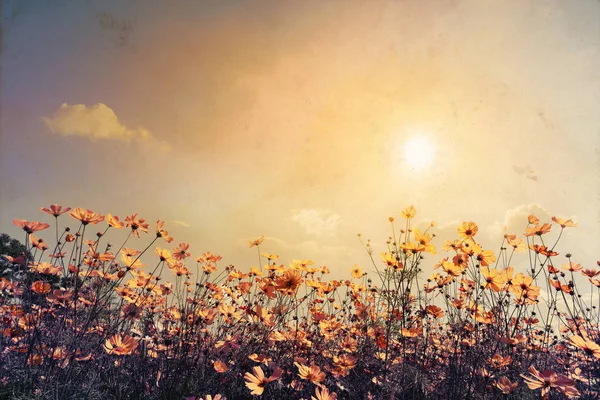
418, 152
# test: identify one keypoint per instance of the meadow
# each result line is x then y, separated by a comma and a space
82, 318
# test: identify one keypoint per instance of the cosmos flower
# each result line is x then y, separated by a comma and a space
257, 381
86, 216
30, 226
120, 344
467, 230
589, 347
55, 210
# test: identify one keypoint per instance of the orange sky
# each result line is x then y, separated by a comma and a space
232, 120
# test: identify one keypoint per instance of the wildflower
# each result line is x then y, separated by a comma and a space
120, 344
310, 373
572, 267
436, 311
538, 230
180, 252
161, 233
37, 243
323, 394
86, 216
136, 224
40, 287
590, 273
506, 385
257, 381
548, 379
467, 230
494, 279
357, 273
45, 268
532, 219
113, 221
256, 242
424, 240
522, 286
289, 282
517, 244
409, 212
589, 347
55, 210
391, 261
219, 366
165, 255
564, 223
543, 250
30, 226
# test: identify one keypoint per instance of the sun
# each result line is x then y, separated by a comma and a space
418, 152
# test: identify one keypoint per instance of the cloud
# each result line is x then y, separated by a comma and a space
515, 220
180, 223
317, 222
95, 122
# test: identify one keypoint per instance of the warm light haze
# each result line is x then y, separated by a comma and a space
304, 121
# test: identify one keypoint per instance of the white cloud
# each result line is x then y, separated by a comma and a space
317, 222
180, 223
515, 220
95, 122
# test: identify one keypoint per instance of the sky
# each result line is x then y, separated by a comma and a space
232, 120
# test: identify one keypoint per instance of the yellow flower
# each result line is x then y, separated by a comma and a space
409, 212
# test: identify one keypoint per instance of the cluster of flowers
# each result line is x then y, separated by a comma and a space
84, 320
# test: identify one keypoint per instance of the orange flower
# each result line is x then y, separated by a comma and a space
86, 216
485, 257
522, 286
424, 240
45, 268
589, 347
219, 366
256, 242
357, 273
136, 224
543, 250
160, 232
165, 255
40, 287
548, 379
409, 212
310, 373
517, 243
532, 219
468, 230
323, 394
37, 243
506, 385
113, 221
180, 252
55, 210
392, 261
120, 344
256, 382
289, 282
538, 230
436, 311
494, 279
572, 267
30, 226
564, 223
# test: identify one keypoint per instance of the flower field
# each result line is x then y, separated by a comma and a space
82, 318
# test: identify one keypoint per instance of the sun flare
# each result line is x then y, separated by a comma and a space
418, 152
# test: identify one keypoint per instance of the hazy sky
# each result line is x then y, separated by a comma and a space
235, 119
